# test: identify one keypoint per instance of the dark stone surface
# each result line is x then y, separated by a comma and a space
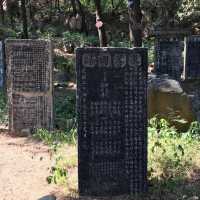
112, 120
1, 65
192, 58
29, 82
169, 58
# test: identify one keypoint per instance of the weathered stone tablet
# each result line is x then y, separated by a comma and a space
2, 69
112, 120
169, 59
192, 58
29, 80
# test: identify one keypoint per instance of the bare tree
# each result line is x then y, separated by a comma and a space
73, 3
82, 14
24, 19
101, 28
2, 12
135, 20
57, 4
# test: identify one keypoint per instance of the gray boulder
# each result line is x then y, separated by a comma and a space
168, 99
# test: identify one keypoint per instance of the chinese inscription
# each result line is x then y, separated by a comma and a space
29, 84
112, 120
192, 58
169, 57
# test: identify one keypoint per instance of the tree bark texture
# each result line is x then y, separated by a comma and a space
24, 19
135, 22
101, 30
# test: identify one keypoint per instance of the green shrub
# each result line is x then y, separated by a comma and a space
194, 130
7, 32
50, 32
171, 154
150, 44
58, 173
79, 40
57, 138
66, 65
3, 108
65, 111
120, 43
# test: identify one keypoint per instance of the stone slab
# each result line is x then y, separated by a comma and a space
169, 59
29, 80
192, 58
112, 120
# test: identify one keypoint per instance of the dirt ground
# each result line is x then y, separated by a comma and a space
24, 166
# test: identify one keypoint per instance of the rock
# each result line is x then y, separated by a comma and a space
192, 89
26, 132
166, 85
48, 197
168, 100
194, 198
184, 197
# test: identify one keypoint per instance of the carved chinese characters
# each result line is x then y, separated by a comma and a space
192, 58
169, 57
112, 120
29, 85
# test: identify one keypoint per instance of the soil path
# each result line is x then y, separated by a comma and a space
24, 166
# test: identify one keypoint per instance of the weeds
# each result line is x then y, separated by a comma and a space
57, 141
173, 160
172, 155
3, 108
58, 137
59, 173
65, 111
79, 40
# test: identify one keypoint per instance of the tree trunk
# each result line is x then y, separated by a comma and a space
113, 6
51, 9
2, 12
57, 4
73, 3
31, 13
10, 13
24, 19
135, 19
84, 25
101, 30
